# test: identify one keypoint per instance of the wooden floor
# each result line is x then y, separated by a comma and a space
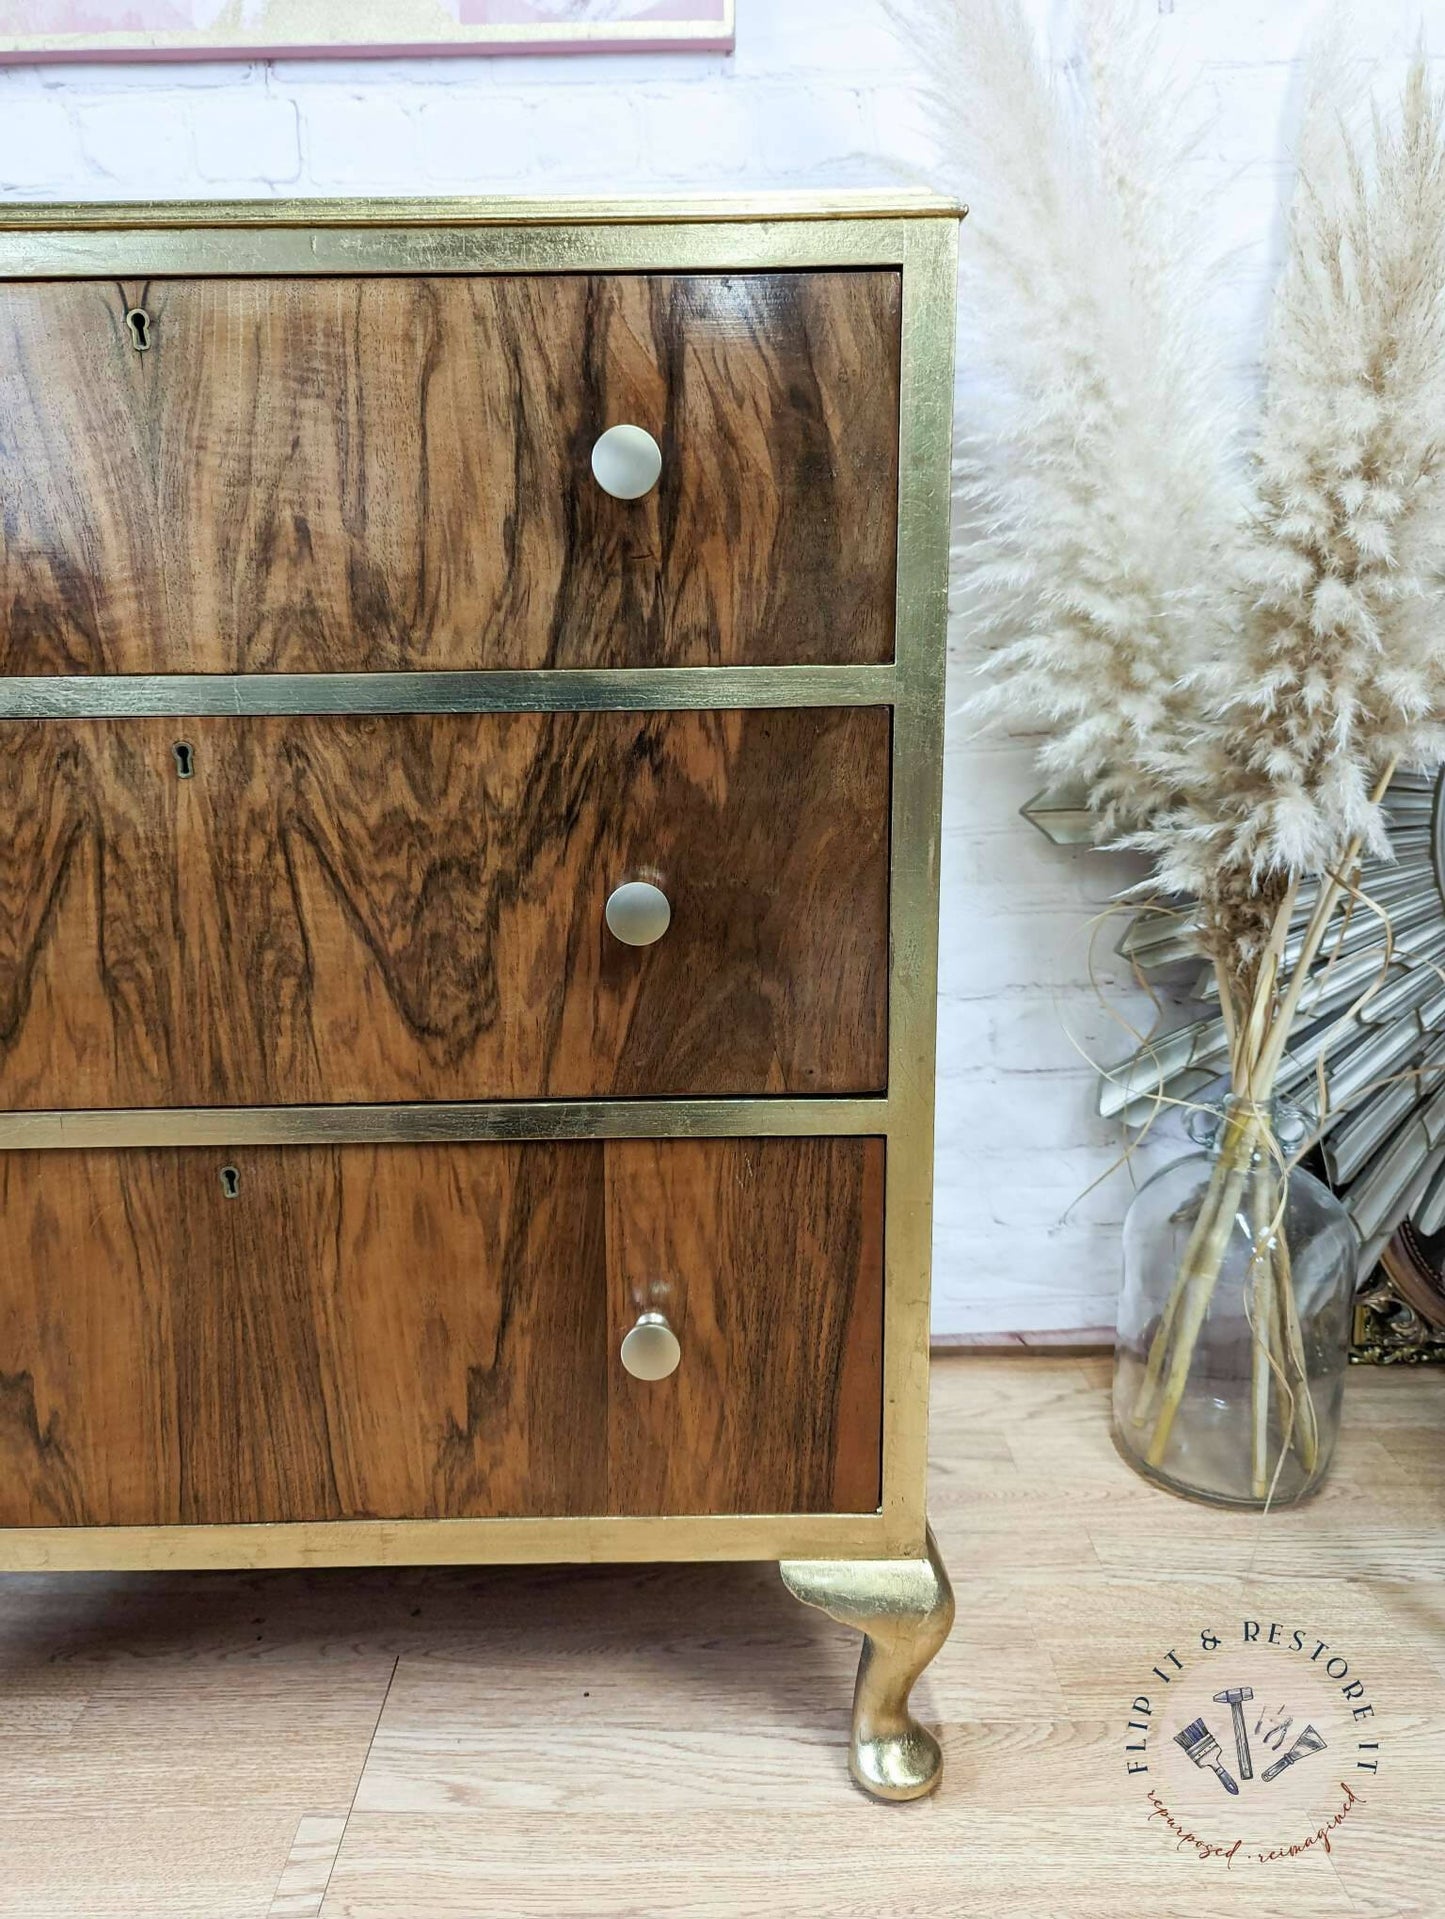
670, 1740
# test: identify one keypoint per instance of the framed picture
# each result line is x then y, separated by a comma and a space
46, 30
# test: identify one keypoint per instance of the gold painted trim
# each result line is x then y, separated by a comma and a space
708, 245
925, 501
546, 690
728, 246
446, 1542
849, 203
440, 1124
905, 1609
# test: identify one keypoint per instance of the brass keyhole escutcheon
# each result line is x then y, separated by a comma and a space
230, 1182
185, 759
139, 322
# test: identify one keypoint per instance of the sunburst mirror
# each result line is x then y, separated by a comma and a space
1375, 1070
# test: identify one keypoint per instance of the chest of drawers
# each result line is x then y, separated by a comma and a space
468, 891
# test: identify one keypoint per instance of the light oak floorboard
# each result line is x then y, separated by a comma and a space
854, 1862
669, 1741
167, 1862
307, 1873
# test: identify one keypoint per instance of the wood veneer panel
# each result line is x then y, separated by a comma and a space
353, 474
767, 1258
411, 908
361, 1332
433, 1332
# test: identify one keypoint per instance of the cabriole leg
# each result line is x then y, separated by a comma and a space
904, 1609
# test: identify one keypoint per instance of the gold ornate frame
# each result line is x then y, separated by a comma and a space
1397, 1313
915, 232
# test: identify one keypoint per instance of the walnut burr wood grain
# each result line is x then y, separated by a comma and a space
337, 474
433, 1332
344, 909
767, 1260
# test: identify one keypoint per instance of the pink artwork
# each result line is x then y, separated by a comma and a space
32, 30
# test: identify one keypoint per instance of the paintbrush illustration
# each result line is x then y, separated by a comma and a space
1309, 1741
1202, 1747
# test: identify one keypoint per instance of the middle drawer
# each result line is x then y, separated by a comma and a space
358, 909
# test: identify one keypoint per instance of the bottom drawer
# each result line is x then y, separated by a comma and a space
309, 1333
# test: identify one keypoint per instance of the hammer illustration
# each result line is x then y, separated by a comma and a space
1235, 1698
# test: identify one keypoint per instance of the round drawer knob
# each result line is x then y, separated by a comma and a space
638, 913
651, 1350
626, 462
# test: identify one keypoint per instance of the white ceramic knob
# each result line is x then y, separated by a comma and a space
652, 1349
638, 913
626, 462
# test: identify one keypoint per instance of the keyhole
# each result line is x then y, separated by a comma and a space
139, 322
230, 1181
185, 759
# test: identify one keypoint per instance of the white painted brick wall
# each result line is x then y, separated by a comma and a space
819, 91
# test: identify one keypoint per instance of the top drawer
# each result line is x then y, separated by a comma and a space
335, 475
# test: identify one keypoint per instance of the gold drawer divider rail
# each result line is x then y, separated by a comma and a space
67, 243
543, 690
98, 1129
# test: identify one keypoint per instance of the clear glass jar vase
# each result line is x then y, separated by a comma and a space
1234, 1320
